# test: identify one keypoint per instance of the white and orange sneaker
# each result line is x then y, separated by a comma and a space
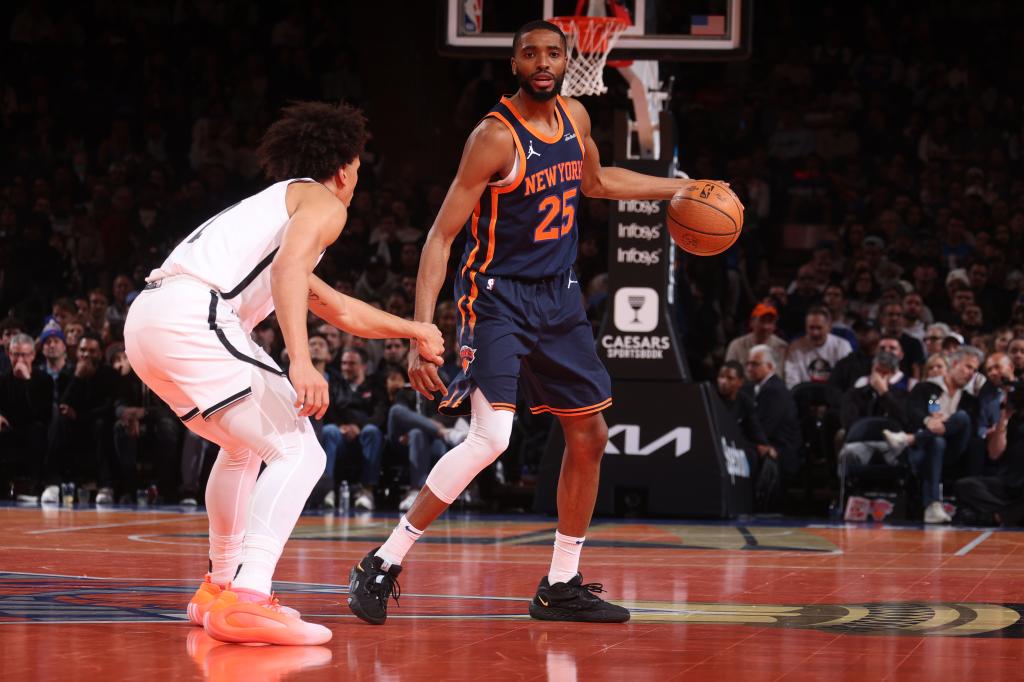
202, 600
248, 617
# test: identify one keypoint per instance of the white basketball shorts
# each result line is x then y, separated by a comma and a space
186, 343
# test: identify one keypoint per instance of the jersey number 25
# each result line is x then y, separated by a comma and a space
552, 206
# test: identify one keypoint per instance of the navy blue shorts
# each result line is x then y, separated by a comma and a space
534, 330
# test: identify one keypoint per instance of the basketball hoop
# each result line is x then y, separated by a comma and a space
588, 42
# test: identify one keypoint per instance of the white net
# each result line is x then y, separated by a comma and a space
589, 40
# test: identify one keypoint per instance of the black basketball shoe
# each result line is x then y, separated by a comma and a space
574, 601
370, 587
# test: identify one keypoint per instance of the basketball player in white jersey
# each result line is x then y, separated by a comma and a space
188, 338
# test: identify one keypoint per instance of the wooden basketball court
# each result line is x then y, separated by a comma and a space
87, 594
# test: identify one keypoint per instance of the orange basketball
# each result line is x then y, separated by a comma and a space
705, 218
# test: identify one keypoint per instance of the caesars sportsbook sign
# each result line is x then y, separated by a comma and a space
637, 339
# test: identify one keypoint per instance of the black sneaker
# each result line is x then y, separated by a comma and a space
574, 601
370, 586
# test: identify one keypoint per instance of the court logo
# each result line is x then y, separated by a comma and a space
467, 355
636, 309
530, 152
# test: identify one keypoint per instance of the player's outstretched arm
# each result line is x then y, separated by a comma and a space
609, 182
316, 222
489, 152
359, 318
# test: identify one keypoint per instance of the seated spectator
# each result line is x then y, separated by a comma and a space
936, 366
9, 328
997, 498
912, 357
944, 416
97, 315
934, 337
144, 423
81, 430
73, 330
891, 345
26, 400
118, 308
1016, 352
812, 356
1001, 339
777, 413
394, 358
763, 320
877, 399
834, 300
916, 316
858, 363
740, 405
55, 359
427, 437
996, 380
862, 301
353, 425
333, 336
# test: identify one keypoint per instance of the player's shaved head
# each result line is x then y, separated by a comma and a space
536, 25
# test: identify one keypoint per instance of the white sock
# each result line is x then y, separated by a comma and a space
399, 544
565, 561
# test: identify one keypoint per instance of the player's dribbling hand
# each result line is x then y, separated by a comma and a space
423, 376
430, 343
310, 388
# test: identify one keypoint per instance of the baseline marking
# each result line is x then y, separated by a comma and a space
72, 529
974, 543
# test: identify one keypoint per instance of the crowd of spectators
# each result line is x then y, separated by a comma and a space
879, 267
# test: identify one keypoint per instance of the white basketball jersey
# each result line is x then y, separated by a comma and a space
232, 252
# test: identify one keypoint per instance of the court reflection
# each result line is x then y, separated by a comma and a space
221, 662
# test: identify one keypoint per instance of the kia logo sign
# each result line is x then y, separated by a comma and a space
679, 436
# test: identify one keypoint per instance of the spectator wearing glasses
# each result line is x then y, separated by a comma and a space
9, 328
777, 413
25, 408
935, 336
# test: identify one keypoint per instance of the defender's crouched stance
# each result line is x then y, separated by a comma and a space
188, 338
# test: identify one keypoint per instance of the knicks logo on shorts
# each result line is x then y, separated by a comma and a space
467, 355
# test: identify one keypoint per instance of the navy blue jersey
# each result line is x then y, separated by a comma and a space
527, 228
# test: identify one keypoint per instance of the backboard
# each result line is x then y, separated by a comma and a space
674, 30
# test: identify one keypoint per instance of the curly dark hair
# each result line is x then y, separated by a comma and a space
312, 140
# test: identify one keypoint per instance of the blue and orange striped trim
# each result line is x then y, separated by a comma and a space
574, 411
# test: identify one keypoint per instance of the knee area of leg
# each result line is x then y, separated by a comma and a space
493, 442
370, 432
590, 441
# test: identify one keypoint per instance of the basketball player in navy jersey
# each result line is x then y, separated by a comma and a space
187, 336
521, 316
